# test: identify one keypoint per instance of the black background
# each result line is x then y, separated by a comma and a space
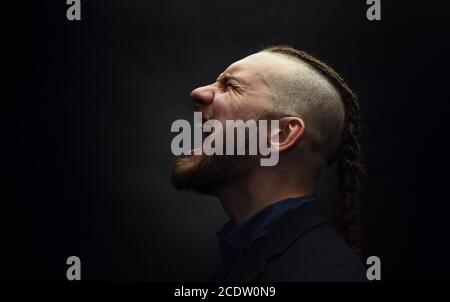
88, 129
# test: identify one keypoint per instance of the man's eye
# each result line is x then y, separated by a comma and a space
236, 88
225, 86
232, 86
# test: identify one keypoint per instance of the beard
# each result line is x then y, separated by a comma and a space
206, 174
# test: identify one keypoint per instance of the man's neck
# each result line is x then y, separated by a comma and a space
246, 197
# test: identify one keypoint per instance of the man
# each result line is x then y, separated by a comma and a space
276, 230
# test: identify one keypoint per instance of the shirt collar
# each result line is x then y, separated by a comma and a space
235, 240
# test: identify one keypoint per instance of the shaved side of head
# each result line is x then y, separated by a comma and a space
300, 90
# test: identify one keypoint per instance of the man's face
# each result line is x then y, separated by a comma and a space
241, 92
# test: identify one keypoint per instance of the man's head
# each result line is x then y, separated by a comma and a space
318, 122
267, 85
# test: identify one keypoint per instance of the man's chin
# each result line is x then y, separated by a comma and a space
206, 174
190, 173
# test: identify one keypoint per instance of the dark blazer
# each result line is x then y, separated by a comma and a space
301, 246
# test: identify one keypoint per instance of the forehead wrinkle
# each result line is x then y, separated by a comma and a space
245, 70
251, 77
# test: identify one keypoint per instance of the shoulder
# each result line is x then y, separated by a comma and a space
320, 254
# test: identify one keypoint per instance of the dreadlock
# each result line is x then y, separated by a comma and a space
350, 167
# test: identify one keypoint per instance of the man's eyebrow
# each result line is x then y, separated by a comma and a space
227, 78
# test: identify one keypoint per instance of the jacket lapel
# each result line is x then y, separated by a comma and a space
282, 233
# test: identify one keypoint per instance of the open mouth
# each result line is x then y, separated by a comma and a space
197, 150
205, 134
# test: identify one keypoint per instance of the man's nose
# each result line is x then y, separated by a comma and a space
202, 96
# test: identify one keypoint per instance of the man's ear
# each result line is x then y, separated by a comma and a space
291, 130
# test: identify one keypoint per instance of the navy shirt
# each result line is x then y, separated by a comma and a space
235, 241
